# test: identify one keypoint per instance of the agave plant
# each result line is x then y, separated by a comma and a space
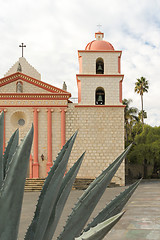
54, 194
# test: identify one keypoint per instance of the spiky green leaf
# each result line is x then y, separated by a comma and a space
10, 150
50, 193
98, 232
62, 198
11, 194
89, 200
115, 206
96, 181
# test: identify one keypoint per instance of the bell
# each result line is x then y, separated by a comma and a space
99, 69
100, 100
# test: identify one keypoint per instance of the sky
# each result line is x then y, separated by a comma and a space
54, 30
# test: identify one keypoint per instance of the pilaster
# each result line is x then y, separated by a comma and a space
63, 126
35, 144
31, 166
49, 139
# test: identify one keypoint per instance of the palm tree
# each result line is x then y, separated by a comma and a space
130, 118
141, 86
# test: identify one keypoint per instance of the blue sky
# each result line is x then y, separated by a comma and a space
54, 30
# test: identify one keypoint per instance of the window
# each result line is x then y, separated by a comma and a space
18, 119
99, 96
21, 122
99, 66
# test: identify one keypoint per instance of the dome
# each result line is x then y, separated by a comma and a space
99, 44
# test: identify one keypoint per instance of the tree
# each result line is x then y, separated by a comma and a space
147, 149
130, 118
141, 86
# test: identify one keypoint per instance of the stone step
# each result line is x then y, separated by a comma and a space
79, 184
34, 184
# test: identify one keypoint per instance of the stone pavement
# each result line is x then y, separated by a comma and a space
141, 220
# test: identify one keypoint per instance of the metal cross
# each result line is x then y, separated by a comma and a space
99, 26
22, 46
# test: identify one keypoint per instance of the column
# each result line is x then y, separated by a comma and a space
120, 91
49, 139
35, 144
63, 127
119, 64
31, 167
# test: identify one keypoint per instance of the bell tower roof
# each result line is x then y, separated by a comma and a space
99, 44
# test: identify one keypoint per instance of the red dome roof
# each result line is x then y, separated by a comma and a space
99, 46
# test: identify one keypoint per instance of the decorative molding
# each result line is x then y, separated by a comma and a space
63, 109
36, 82
97, 51
100, 75
100, 106
32, 96
3, 109
36, 109
40, 106
51, 109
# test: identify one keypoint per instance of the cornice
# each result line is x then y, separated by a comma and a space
36, 82
99, 75
99, 106
110, 51
18, 96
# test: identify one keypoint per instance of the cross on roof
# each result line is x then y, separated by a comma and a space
99, 26
22, 46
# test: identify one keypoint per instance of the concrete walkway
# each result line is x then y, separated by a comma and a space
141, 220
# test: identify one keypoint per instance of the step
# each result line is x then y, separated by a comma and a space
79, 184
34, 184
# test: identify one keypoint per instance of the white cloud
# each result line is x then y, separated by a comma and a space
54, 30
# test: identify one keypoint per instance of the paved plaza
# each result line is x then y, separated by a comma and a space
141, 220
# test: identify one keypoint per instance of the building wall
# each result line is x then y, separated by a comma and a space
26, 68
90, 84
100, 134
27, 88
88, 62
11, 124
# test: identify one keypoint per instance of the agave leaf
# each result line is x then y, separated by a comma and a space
96, 181
62, 198
49, 196
89, 200
11, 194
10, 150
98, 232
31, 230
1, 148
115, 206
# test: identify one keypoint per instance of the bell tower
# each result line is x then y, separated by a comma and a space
99, 80
99, 114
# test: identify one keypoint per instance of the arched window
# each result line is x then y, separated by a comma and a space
99, 66
99, 96
19, 87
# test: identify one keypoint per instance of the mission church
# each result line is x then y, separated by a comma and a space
98, 115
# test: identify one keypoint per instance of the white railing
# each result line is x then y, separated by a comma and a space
73, 99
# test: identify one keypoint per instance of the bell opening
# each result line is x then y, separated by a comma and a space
100, 97
99, 66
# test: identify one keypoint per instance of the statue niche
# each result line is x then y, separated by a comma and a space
19, 87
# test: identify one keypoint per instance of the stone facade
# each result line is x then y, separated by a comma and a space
109, 84
100, 135
110, 64
25, 99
